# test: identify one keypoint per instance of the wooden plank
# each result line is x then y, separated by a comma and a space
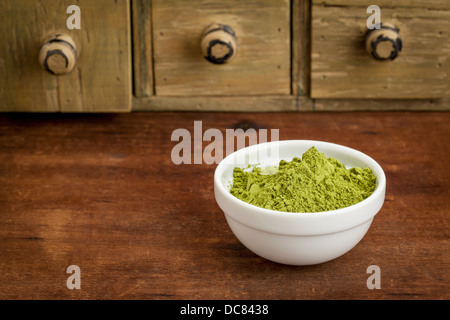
101, 192
398, 4
101, 80
341, 68
301, 47
22, 77
262, 64
143, 48
229, 104
381, 105
284, 103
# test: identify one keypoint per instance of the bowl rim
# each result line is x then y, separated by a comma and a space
378, 193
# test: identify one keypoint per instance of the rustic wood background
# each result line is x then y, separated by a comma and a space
101, 192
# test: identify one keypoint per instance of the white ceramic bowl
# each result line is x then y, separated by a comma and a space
296, 238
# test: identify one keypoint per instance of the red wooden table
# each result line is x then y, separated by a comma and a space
101, 192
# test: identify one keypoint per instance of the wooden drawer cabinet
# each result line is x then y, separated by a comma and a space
101, 76
230, 55
342, 68
261, 63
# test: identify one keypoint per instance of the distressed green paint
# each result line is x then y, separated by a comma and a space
311, 184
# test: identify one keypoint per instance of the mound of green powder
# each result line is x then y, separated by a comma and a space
313, 183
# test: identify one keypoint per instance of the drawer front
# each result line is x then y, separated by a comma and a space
261, 61
100, 50
341, 67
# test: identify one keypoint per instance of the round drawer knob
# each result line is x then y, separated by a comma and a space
384, 43
58, 55
219, 44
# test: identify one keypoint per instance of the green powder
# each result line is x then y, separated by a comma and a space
311, 184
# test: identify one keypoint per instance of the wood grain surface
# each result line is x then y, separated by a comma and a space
342, 68
101, 192
101, 80
301, 47
262, 64
142, 48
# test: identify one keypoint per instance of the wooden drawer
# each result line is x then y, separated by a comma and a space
261, 64
101, 77
342, 68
